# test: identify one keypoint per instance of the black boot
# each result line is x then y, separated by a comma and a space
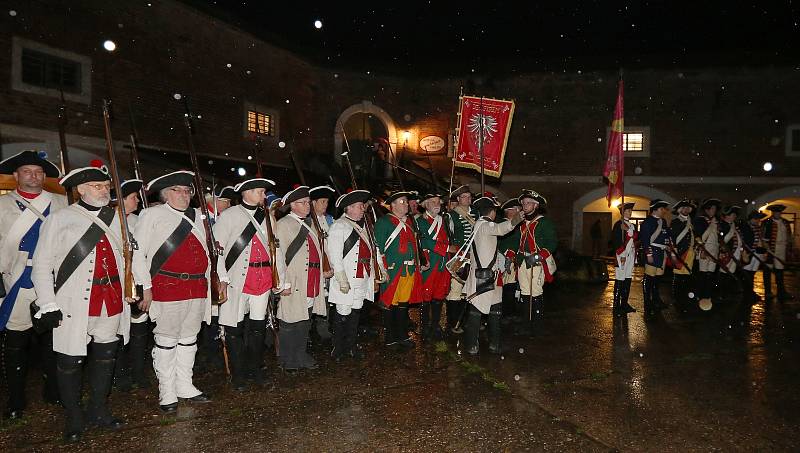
525, 327
389, 336
69, 370
436, 315
255, 351
767, 273
425, 317
351, 336
626, 292
122, 372
748, 280
782, 294
657, 302
472, 326
137, 351
494, 329
455, 311
48, 364
339, 336
401, 320
234, 340
101, 368
647, 295
616, 307
15, 346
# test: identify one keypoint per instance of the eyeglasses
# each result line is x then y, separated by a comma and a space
99, 187
183, 190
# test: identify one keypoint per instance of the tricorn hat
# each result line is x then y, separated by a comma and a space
94, 173
511, 203
728, 210
623, 206
320, 192
253, 183
460, 190
29, 157
484, 202
128, 187
297, 193
658, 203
683, 203
776, 208
708, 202
183, 178
534, 195
351, 197
395, 195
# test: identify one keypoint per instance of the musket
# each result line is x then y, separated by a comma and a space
128, 242
62, 141
704, 251
321, 234
214, 250
369, 217
753, 254
273, 240
135, 158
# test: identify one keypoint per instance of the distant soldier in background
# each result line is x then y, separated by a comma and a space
623, 239
654, 238
682, 236
460, 222
754, 253
776, 233
706, 231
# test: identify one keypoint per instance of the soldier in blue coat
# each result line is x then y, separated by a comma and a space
655, 241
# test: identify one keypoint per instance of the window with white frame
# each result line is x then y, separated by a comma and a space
260, 120
44, 70
635, 140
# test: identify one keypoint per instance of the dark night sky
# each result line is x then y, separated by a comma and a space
435, 37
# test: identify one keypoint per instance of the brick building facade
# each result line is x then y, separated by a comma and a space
706, 132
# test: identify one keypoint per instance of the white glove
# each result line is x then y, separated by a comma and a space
344, 284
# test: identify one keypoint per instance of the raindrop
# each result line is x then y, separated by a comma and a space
767, 166
287, 101
249, 157
12, 13
599, 140
691, 295
641, 354
281, 144
318, 24
228, 65
109, 45
516, 377
502, 357
521, 350
746, 200
199, 117
177, 96
241, 171
248, 72
638, 170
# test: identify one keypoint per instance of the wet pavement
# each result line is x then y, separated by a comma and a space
725, 380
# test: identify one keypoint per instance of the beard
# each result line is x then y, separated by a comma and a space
97, 202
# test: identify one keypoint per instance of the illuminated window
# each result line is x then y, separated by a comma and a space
260, 123
632, 142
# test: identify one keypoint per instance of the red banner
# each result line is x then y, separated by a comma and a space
483, 122
614, 170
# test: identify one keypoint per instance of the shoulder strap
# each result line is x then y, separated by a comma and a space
397, 229
244, 238
28, 205
171, 244
296, 243
82, 248
350, 242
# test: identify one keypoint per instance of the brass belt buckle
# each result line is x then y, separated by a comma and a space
184, 276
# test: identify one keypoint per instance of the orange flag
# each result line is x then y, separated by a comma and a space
614, 170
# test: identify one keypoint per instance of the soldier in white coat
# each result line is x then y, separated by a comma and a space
351, 255
246, 269
483, 292
302, 293
172, 265
706, 230
22, 212
623, 240
131, 359
77, 272
320, 198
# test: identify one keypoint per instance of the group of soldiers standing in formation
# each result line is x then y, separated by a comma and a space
282, 263
705, 248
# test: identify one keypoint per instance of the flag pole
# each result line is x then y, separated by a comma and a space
621, 72
480, 147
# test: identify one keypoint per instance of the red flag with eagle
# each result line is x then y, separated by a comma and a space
614, 170
483, 122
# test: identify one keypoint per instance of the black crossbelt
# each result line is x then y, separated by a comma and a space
241, 242
350, 242
297, 242
83, 247
172, 243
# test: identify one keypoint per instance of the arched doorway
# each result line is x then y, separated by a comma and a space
372, 136
591, 212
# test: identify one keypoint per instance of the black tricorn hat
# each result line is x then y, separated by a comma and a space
183, 178
460, 190
623, 206
29, 157
708, 202
756, 215
253, 183
534, 195
297, 193
511, 203
395, 195
428, 196
128, 187
776, 207
351, 197
226, 193
484, 202
731, 210
83, 175
658, 203
682, 203
315, 193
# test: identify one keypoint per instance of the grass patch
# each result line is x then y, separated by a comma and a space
166, 421
7, 425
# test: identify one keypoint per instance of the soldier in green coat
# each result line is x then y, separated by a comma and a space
435, 243
534, 256
508, 245
397, 242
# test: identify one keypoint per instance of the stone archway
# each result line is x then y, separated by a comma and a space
592, 195
366, 107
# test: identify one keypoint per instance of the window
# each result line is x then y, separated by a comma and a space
48, 71
635, 140
262, 120
40, 69
260, 123
793, 140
